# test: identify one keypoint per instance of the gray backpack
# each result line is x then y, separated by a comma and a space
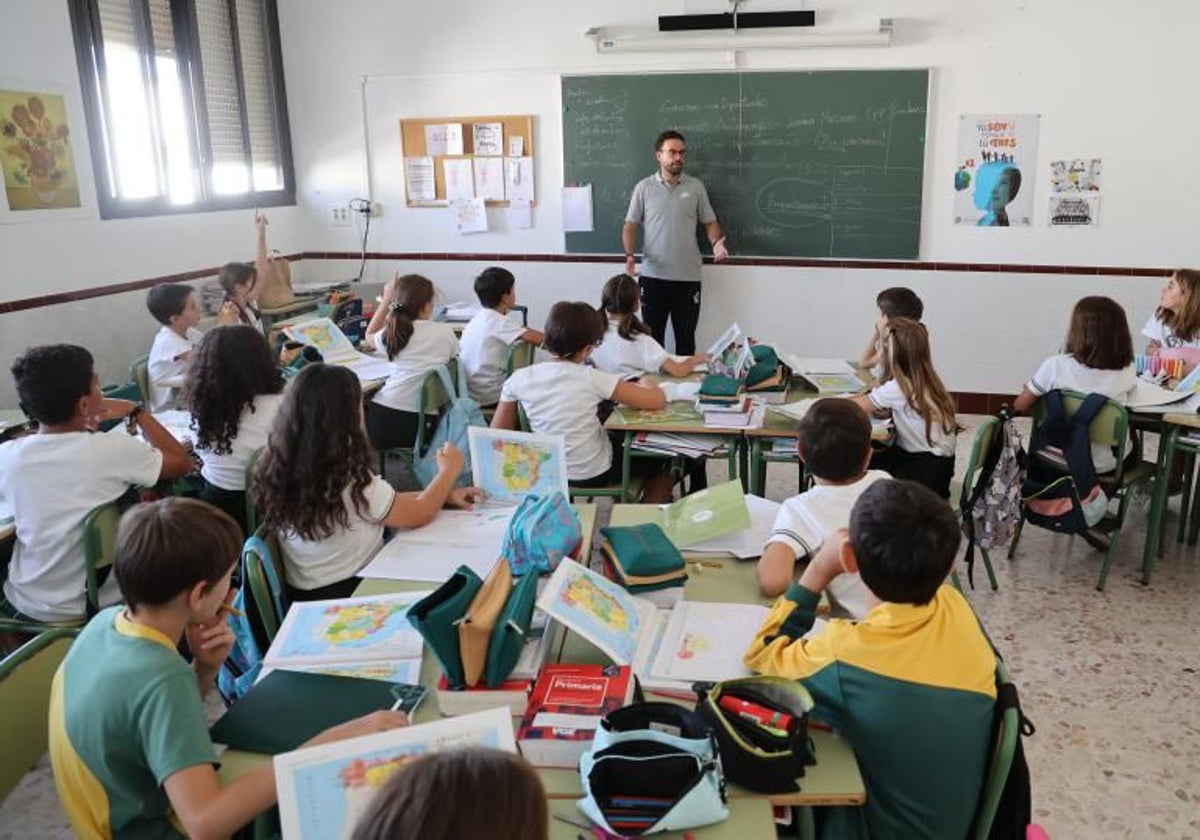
456, 417
992, 508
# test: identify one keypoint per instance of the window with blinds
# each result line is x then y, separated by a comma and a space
185, 104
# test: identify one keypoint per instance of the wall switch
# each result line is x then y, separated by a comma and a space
339, 215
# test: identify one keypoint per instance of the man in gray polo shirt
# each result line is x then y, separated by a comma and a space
668, 205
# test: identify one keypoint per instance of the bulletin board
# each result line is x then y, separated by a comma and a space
413, 145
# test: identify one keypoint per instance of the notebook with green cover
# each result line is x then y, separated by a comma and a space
712, 512
286, 708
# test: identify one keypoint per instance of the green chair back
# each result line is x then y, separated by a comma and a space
262, 597
433, 397
99, 548
1110, 427
25, 679
139, 372
1000, 760
520, 355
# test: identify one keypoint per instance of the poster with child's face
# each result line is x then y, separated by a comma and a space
35, 152
993, 178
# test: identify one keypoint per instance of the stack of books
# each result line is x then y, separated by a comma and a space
513, 692
742, 414
691, 446
565, 710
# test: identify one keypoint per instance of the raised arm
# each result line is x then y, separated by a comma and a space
262, 265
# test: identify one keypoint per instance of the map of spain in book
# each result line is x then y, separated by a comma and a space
350, 629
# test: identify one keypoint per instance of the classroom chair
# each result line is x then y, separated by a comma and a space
979, 452
518, 355
99, 549
433, 397
139, 373
1176, 438
25, 679
262, 576
1000, 760
1109, 428
251, 510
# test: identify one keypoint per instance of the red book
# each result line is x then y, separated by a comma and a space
565, 708
513, 693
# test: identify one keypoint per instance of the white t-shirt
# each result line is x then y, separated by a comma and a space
484, 344
228, 471
52, 481
910, 426
1064, 372
1156, 330
433, 343
804, 522
311, 565
628, 357
166, 370
560, 398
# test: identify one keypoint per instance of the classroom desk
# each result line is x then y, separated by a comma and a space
270, 318
679, 417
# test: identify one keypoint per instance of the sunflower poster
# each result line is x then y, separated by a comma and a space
35, 152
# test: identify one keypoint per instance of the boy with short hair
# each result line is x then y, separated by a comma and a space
128, 741
176, 307
893, 302
486, 338
835, 445
912, 686
55, 477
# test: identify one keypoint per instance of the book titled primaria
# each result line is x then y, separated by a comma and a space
565, 709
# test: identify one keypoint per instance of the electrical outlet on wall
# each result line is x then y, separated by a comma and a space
339, 215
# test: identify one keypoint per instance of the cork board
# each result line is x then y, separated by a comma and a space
413, 145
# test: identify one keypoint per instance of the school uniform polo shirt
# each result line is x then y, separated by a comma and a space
164, 367
483, 350
668, 214
628, 356
912, 689
125, 716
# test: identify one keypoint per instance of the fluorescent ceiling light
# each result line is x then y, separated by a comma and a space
614, 41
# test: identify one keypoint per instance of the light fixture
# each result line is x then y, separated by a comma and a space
618, 41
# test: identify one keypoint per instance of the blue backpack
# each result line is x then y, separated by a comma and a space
1061, 490
242, 666
455, 418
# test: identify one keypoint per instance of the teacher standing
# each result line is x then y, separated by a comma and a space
668, 205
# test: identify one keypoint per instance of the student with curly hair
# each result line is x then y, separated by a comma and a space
315, 488
234, 392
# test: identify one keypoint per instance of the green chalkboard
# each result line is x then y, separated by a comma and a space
820, 164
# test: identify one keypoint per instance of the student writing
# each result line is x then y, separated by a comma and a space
315, 489
128, 740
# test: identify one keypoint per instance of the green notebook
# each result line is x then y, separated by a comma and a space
286, 708
712, 512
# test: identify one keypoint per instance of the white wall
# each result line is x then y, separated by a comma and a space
1118, 89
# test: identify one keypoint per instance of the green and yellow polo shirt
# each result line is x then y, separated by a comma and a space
913, 691
125, 715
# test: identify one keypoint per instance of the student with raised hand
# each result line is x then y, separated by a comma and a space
234, 391
243, 282
835, 446
893, 302
174, 305
1098, 360
911, 687
488, 336
413, 802
415, 345
628, 348
54, 478
129, 744
560, 397
315, 489
1176, 320
920, 406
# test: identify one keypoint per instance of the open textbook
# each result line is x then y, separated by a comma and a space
324, 790
336, 349
367, 628
432, 552
598, 609
509, 466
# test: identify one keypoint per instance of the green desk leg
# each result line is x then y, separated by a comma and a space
757, 477
626, 459
806, 824
1158, 505
743, 466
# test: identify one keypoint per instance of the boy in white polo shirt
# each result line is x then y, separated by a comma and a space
173, 305
55, 477
835, 444
485, 340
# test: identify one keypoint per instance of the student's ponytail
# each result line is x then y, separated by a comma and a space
410, 295
621, 297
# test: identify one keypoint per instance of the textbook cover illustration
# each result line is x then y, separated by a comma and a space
384, 670
712, 512
730, 355
511, 465
350, 629
324, 790
599, 610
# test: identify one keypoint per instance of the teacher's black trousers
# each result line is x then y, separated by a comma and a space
678, 300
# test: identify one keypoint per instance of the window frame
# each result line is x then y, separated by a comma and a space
89, 54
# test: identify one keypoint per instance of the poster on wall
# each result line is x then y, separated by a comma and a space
994, 173
1074, 192
1074, 210
35, 152
1076, 175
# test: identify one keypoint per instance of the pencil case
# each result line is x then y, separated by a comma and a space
476, 626
760, 758
436, 618
652, 767
716, 385
642, 558
542, 531
512, 627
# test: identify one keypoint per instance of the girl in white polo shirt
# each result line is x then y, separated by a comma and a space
415, 345
560, 397
315, 489
628, 348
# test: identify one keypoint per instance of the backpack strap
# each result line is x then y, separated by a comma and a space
1088, 410
982, 478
